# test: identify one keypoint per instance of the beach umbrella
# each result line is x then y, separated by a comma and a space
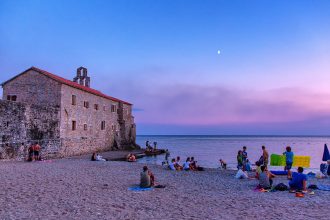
326, 155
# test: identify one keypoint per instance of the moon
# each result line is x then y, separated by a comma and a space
218, 51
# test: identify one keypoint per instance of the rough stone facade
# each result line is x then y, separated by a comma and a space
33, 88
65, 117
23, 123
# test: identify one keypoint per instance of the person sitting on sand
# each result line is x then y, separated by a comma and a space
223, 164
177, 164
258, 169
248, 166
193, 165
288, 160
178, 160
298, 181
131, 158
239, 160
147, 179
186, 165
265, 178
172, 165
99, 158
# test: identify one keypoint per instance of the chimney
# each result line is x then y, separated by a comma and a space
82, 78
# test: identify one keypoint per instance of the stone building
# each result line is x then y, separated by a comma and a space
66, 117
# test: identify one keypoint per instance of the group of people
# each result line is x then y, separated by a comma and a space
151, 148
243, 161
189, 164
298, 180
34, 152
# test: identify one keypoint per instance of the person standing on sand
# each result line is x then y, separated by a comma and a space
37, 151
288, 160
265, 155
239, 160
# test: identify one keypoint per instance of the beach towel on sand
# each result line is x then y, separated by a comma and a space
139, 189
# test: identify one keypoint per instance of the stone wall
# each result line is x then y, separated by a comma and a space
88, 120
111, 138
22, 124
34, 88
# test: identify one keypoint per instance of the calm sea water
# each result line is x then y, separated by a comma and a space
207, 150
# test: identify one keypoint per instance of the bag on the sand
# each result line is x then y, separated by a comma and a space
324, 168
312, 186
281, 187
200, 168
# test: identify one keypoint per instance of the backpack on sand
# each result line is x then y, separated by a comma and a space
281, 187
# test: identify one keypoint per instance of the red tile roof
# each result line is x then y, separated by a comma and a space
70, 83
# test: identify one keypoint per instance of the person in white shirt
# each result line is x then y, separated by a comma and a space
172, 165
99, 158
186, 165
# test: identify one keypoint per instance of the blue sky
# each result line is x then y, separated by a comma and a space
271, 77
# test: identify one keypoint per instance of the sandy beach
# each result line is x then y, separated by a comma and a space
77, 188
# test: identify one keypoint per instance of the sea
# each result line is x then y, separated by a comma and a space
208, 149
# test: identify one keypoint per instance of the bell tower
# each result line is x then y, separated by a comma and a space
82, 78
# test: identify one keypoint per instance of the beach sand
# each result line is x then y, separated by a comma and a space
77, 188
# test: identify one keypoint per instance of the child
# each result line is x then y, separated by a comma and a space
288, 160
239, 160
223, 164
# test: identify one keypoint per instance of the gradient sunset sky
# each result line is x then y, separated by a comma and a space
272, 75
